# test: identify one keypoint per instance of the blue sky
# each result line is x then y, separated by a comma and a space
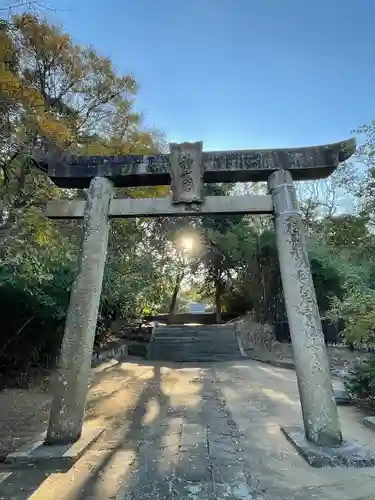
240, 74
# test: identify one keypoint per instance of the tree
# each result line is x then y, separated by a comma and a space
57, 96
10, 7
352, 236
219, 254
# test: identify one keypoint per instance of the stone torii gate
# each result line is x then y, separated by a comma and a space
187, 168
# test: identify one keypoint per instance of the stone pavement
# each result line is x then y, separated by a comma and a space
194, 432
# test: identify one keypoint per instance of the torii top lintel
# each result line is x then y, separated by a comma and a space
316, 162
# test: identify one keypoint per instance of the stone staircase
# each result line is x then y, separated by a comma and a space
194, 343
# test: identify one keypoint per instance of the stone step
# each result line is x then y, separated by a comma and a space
212, 335
167, 354
193, 333
200, 359
201, 329
194, 340
170, 356
187, 349
194, 343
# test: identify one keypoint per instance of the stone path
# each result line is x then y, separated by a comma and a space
194, 432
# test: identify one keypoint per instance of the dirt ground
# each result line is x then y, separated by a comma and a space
195, 432
341, 358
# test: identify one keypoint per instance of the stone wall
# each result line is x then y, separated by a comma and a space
254, 335
115, 352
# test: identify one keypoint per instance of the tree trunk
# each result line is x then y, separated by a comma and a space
176, 289
218, 299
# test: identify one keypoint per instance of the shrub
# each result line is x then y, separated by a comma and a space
361, 382
357, 309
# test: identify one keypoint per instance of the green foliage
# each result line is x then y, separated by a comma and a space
351, 236
34, 295
328, 280
357, 308
256, 285
361, 382
58, 95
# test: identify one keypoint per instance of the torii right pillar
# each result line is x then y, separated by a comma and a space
319, 410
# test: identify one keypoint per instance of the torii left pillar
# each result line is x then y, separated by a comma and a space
72, 378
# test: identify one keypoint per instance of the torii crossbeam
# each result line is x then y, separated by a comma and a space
314, 162
68, 171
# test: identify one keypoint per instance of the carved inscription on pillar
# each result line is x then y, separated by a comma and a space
186, 172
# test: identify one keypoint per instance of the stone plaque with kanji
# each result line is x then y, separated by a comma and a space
186, 172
